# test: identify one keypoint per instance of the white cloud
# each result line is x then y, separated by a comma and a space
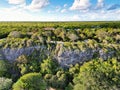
16, 1
118, 12
80, 5
19, 14
58, 8
100, 4
20, 11
97, 16
76, 17
63, 10
49, 11
65, 5
37, 4
15, 14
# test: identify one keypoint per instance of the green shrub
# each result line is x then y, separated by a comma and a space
31, 81
28, 64
73, 37
5, 83
4, 68
58, 81
98, 75
15, 34
48, 66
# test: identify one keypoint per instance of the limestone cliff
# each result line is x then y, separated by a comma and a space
65, 57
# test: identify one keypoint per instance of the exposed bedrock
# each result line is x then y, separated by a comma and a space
64, 58
72, 57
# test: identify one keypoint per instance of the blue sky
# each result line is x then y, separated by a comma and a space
59, 10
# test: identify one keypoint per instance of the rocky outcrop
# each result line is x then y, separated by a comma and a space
64, 58
68, 57
11, 54
72, 57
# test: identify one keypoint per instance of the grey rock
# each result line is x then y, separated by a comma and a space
11, 54
64, 57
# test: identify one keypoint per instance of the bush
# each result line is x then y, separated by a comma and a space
5, 83
4, 68
31, 81
58, 81
28, 64
48, 66
98, 75
15, 34
73, 37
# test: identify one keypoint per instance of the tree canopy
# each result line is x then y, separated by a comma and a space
98, 75
31, 81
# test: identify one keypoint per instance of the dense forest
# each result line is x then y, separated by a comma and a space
60, 55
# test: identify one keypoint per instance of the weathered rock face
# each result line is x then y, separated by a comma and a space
65, 58
72, 57
11, 54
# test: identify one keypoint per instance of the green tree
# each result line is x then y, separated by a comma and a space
69, 87
4, 68
48, 66
22, 62
74, 69
5, 83
58, 81
98, 75
15, 34
73, 37
31, 81
28, 64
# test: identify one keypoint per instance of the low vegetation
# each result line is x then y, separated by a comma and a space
41, 69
